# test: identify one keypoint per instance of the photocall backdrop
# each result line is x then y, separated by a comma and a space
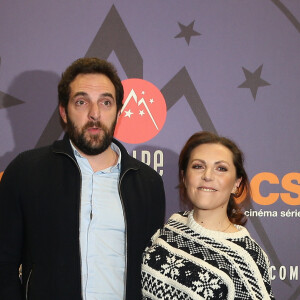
230, 67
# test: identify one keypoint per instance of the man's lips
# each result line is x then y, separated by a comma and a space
94, 129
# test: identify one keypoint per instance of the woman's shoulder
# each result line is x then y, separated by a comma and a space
179, 219
181, 216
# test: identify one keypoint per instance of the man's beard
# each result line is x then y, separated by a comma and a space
93, 144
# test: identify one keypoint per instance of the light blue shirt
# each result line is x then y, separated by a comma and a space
102, 232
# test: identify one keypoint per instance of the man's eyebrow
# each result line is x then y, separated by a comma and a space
86, 94
107, 95
79, 94
110, 95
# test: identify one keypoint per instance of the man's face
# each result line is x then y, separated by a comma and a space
91, 114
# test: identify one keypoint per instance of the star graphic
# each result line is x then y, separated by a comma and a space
151, 100
141, 113
187, 32
253, 80
128, 113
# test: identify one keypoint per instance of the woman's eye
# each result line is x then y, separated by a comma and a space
222, 169
197, 166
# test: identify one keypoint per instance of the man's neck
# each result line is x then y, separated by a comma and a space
101, 161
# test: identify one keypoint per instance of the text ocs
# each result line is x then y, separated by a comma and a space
290, 183
156, 161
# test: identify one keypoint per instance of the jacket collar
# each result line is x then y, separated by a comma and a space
127, 162
63, 146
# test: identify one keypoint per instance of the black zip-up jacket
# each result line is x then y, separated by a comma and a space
39, 222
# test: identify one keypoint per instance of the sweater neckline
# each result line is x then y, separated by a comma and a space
191, 223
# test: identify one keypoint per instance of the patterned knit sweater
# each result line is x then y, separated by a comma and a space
187, 261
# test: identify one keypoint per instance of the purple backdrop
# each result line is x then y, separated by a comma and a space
228, 66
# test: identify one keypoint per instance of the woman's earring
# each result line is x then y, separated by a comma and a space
235, 191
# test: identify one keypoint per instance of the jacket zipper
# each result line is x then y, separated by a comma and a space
75, 162
27, 284
125, 220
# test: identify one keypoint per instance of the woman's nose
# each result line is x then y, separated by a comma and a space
207, 174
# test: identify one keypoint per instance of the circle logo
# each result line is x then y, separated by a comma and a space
143, 114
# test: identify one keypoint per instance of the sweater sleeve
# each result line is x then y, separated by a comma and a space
268, 284
11, 235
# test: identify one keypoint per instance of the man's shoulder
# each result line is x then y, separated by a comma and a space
129, 162
25, 161
32, 154
37, 154
137, 164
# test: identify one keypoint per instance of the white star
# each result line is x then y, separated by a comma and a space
151, 100
143, 92
128, 113
141, 113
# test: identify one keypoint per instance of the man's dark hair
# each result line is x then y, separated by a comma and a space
89, 66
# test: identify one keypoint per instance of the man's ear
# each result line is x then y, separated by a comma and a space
119, 114
62, 112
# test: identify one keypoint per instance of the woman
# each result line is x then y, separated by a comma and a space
206, 253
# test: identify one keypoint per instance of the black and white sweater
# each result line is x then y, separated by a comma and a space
187, 261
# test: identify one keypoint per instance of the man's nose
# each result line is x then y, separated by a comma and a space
94, 112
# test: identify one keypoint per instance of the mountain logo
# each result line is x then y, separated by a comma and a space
143, 113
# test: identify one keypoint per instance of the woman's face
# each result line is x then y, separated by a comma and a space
210, 177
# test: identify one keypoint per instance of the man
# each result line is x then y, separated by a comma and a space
77, 215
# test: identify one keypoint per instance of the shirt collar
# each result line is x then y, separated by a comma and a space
114, 147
